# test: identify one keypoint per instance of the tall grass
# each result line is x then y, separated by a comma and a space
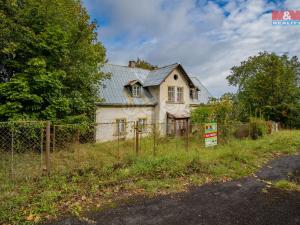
84, 176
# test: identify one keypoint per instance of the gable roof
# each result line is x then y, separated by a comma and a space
114, 91
133, 82
203, 94
157, 76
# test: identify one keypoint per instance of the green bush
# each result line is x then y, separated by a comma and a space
258, 127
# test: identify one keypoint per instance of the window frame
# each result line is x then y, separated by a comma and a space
142, 125
181, 99
196, 97
194, 94
171, 94
123, 124
136, 91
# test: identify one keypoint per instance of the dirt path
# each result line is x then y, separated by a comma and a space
244, 201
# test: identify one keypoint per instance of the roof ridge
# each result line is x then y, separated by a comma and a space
166, 66
111, 64
128, 67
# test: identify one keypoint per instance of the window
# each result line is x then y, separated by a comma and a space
120, 126
175, 94
142, 124
179, 94
171, 94
194, 94
136, 91
175, 77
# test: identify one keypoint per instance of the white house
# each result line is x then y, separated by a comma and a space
164, 96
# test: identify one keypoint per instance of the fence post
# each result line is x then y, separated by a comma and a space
78, 136
218, 134
118, 149
137, 138
187, 135
53, 141
42, 147
47, 153
12, 153
154, 139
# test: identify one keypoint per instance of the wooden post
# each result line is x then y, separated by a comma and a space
47, 153
154, 139
78, 136
218, 134
118, 125
12, 153
187, 135
137, 139
53, 140
175, 129
42, 147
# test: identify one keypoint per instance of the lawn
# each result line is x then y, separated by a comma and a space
93, 176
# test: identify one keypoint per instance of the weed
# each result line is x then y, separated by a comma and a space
287, 185
99, 173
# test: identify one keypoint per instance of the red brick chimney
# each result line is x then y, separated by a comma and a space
132, 63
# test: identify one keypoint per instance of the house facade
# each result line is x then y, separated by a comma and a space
164, 96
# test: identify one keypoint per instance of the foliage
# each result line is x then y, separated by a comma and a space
89, 176
202, 114
267, 87
143, 64
258, 127
49, 60
220, 111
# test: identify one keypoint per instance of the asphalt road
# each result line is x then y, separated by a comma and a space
248, 201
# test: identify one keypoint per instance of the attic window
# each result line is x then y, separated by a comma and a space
175, 77
136, 91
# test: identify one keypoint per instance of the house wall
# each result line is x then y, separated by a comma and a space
155, 93
174, 108
105, 116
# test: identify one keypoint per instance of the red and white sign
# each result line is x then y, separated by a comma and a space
214, 134
286, 17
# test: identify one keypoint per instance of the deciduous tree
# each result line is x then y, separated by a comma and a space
49, 60
267, 87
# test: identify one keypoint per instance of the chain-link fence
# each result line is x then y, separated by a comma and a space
29, 149
22, 146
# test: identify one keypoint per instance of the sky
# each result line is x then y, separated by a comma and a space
206, 37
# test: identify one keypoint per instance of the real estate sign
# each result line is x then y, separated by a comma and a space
211, 134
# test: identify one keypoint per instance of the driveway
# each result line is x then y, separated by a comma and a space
249, 201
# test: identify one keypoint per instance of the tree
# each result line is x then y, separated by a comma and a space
140, 63
267, 87
49, 60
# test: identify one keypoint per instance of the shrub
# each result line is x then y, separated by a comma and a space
242, 131
258, 127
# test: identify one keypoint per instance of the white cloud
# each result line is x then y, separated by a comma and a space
203, 39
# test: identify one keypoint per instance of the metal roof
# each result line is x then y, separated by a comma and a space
114, 91
203, 94
157, 76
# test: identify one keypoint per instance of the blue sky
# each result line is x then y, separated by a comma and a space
206, 37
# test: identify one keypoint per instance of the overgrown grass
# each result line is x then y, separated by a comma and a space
287, 185
90, 176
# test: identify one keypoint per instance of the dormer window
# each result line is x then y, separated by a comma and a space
134, 87
136, 91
